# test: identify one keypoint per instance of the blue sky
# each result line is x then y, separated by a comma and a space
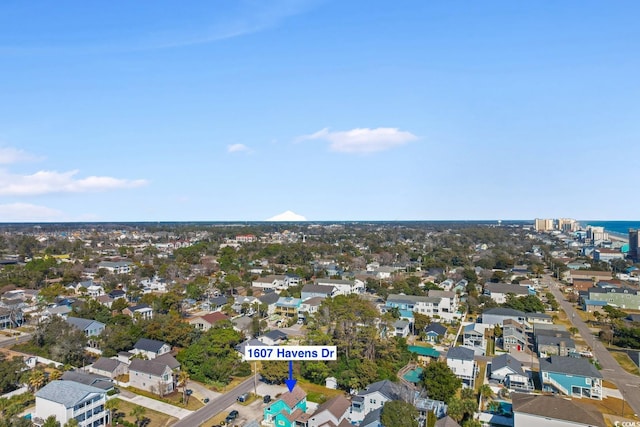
335, 110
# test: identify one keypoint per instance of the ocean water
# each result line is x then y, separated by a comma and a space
620, 228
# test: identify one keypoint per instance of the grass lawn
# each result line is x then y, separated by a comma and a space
318, 393
234, 382
624, 361
174, 398
157, 418
215, 421
609, 384
611, 405
482, 372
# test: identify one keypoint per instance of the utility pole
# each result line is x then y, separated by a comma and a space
255, 377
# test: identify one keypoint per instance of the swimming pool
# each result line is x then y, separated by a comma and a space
413, 375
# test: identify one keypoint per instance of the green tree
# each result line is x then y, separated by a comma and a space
440, 382
138, 412
72, 423
396, 413
274, 372
51, 421
112, 406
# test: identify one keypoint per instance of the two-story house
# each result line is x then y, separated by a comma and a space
286, 411
67, 400
374, 397
508, 370
343, 287
150, 348
474, 336
155, 376
139, 312
570, 376
497, 316
499, 291
311, 290
462, 363
333, 412
530, 410
206, 322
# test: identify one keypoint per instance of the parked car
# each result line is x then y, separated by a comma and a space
206, 400
232, 416
243, 397
266, 398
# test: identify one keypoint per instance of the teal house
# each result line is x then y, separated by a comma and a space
570, 376
290, 408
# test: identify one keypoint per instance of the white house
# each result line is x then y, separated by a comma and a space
343, 287
270, 282
499, 291
119, 267
374, 397
68, 400
331, 412
150, 348
461, 362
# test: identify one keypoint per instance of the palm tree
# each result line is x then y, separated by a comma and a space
51, 422
183, 380
55, 375
36, 379
467, 393
72, 423
138, 412
112, 406
485, 393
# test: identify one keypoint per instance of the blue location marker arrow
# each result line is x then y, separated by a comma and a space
291, 382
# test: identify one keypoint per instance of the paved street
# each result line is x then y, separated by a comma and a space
628, 384
216, 406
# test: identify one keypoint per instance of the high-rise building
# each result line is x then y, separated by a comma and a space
634, 245
543, 224
596, 234
567, 225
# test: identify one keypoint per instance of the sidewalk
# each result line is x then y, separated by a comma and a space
156, 405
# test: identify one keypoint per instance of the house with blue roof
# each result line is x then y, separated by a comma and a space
288, 306
570, 376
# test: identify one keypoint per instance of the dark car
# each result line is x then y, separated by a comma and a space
232, 416
206, 400
189, 392
266, 398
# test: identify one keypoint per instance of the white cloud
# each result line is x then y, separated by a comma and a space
45, 182
10, 155
25, 212
238, 148
287, 216
362, 140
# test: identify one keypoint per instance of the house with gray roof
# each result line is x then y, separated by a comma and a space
508, 370
150, 348
90, 328
462, 363
311, 290
497, 316
499, 291
575, 377
531, 410
87, 378
374, 397
66, 400
151, 375
550, 345
110, 368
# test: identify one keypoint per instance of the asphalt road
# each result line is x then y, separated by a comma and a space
216, 406
8, 342
628, 384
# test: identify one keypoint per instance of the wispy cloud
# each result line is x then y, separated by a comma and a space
211, 23
46, 182
26, 212
9, 155
238, 148
362, 140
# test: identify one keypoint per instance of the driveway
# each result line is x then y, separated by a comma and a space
628, 384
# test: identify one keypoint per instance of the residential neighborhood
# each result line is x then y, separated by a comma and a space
489, 332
